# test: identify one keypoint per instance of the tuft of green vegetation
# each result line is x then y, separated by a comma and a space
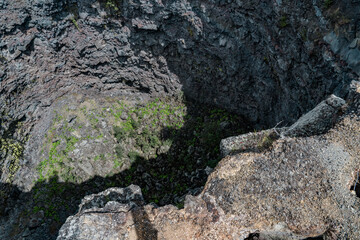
120, 133
117, 163
58, 152
49, 198
190, 31
303, 34
283, 22
113, 6
266, 60
154, 141
267, 141
119, 150
73, 20
180, 205
144, 125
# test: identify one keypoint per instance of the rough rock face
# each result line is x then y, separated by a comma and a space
269, 61
299, 188
253, 141
318, 120
116, 207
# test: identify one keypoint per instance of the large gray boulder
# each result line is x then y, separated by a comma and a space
318, 120
107, 215
253, 141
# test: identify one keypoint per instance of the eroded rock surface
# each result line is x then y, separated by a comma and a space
296, 190
254, 141
116, 207
318, 120
269, 61
299, 188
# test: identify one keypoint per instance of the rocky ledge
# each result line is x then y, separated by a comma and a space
298, 188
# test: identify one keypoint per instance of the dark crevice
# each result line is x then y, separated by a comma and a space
253, 236
14, 125
24, 26
259, 236
73, 8
29, 48
321, 237
143, 226
356, 184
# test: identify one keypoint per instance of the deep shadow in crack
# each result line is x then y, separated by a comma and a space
144, 228
166, 179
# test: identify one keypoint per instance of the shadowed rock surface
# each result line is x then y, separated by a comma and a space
80, 83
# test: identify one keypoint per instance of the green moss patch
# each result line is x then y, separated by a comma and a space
172, 140
166, 146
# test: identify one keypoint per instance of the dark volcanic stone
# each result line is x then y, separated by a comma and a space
269, 61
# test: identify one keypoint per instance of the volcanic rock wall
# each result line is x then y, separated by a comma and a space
269, 61
264, 60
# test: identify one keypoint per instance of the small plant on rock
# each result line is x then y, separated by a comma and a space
73, 20
112, 4
328, 3
267, 141
283, 22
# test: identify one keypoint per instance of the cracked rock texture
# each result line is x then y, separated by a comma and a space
268, 61
318, 120
299, 188
117, 209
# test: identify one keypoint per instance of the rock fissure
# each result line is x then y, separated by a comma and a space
355, 186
